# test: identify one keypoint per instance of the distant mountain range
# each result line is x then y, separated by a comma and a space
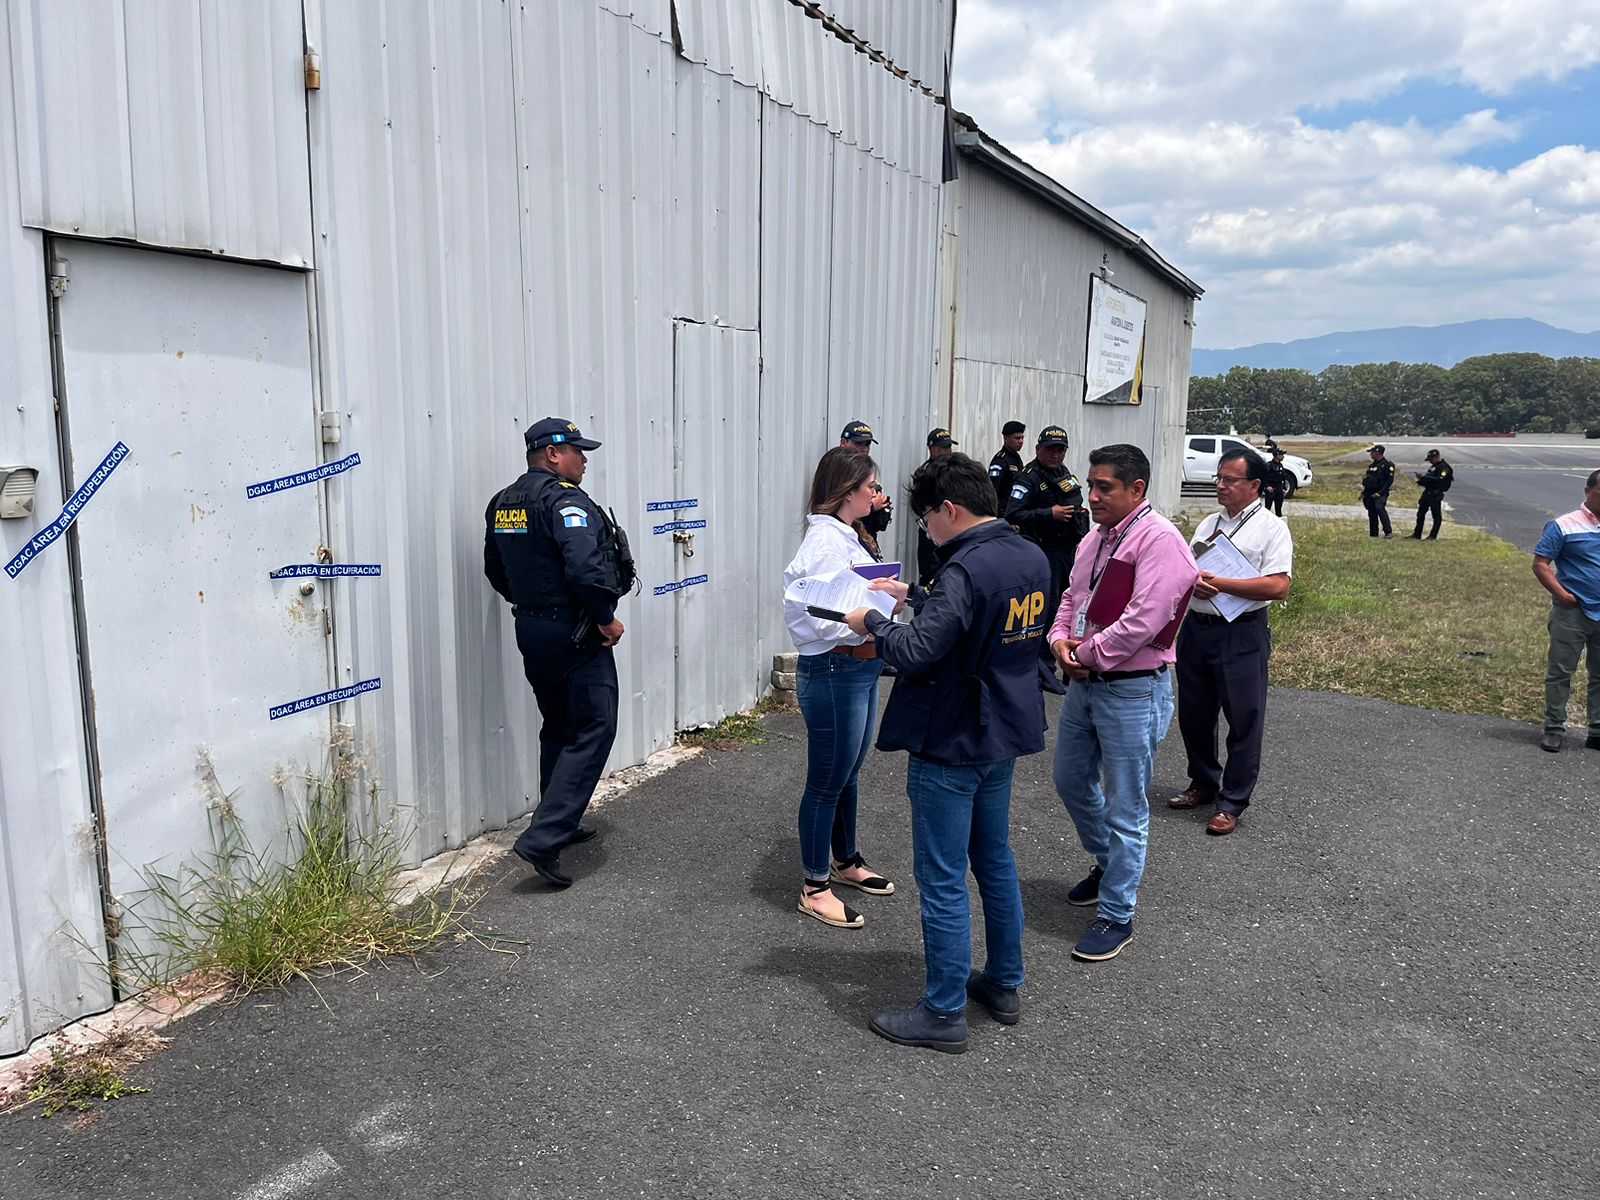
1445, 345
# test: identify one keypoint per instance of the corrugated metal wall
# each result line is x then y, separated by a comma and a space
912, 34
49, 889
651, 189
509, 209
1021, 325
168, 124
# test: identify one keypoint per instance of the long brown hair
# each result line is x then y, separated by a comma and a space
841, 471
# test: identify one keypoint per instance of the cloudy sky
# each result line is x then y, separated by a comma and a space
1317, 165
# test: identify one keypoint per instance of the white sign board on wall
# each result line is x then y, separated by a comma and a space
1114, 365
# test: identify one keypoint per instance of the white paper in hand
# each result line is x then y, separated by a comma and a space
840, 590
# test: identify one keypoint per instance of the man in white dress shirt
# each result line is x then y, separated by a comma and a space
1222, 664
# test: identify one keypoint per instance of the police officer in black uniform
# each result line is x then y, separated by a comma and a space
563, 564
1006, 464
1047, 506
1435, 482
939, 444
857, 436
1275, 486
1375, 487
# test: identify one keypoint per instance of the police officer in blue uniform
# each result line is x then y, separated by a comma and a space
966, 704
563, 564
1047, 507
1375, 485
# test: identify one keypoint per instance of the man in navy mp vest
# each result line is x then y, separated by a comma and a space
967, 702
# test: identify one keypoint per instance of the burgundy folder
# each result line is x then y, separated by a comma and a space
1111, 596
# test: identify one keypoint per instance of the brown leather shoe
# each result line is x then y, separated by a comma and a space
1189, 798
1222, 823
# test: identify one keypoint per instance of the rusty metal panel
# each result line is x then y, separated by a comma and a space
179, 126
51, 931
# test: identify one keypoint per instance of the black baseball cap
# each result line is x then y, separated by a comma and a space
857, 431
557, 431
1053, 435
1432, 454
1011, 427
1378, 446
941, 437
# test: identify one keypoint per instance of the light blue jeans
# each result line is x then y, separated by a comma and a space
839, 700
1105, 746
961, 816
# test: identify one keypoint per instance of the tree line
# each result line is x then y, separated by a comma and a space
1493, 393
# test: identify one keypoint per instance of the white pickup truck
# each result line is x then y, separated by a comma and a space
1202, 450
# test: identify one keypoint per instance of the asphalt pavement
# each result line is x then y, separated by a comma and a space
1509, 486
1383, 985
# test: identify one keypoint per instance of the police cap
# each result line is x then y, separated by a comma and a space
1011, 427
941, 437
1053, 435
857, 431
553, 431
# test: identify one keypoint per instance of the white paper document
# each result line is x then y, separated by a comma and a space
839, 590
1224, 561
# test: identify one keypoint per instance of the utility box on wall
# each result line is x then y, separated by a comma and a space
17, 488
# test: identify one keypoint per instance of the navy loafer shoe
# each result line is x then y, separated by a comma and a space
1104, 940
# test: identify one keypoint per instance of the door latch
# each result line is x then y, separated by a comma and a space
686, 540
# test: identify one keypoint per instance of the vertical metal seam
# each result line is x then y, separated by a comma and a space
80, 621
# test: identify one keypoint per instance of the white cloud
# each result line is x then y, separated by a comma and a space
1181, 119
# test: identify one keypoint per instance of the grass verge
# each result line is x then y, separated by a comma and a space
1456, 625
1333, 482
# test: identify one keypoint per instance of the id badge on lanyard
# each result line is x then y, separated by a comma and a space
1080, 624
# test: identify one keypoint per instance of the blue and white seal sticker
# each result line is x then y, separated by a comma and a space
327, 571
664, 588
670, 505
671, 525
317, 701
69, 513
316, 474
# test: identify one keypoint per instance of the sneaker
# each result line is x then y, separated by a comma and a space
1388, 537
1552, 741
1003, 1004
921, 1026
1104, 940
1087, 890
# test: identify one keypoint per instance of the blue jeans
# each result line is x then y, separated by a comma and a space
1110, 731
962, 815
839, 700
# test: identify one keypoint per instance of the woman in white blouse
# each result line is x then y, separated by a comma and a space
837, 685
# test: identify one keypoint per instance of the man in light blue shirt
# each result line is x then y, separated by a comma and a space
1567, 562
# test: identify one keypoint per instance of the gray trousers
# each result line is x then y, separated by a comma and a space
1571, 631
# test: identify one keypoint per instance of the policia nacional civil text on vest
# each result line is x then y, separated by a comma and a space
563, 564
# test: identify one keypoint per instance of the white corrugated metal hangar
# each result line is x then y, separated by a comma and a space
288, 280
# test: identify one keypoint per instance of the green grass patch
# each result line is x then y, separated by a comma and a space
731, 733
248, 920
1333, 482
1456, 625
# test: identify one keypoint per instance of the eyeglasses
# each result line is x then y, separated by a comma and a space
922, 521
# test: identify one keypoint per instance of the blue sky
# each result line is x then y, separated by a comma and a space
1318, 165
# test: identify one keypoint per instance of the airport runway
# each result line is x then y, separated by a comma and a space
1510, 486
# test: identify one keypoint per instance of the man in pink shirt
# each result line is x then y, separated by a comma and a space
1130, 586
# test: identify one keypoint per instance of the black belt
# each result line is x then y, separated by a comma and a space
1113, 676
1255, 614
553, 612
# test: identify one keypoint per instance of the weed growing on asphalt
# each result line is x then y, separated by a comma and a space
247, 919
78, 1078
741, 729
